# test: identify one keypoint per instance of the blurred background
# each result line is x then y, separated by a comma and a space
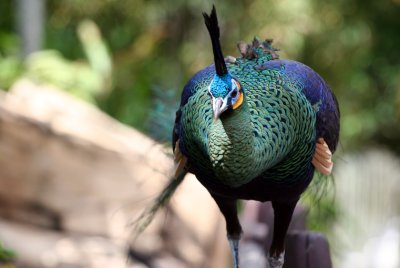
70, 69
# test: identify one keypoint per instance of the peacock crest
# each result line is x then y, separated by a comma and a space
258, 49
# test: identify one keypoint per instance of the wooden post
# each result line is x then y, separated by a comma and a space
307, 250
304, 249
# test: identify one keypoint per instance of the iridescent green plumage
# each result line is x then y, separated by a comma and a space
273, 124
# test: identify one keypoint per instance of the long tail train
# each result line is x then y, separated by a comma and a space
141, 223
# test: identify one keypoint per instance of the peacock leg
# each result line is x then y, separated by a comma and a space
233, 228
234, 245
283, 214
276, 262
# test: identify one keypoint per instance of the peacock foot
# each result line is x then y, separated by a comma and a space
276, 261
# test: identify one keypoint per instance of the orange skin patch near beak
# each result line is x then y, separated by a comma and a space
238, 102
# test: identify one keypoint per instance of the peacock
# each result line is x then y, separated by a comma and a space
253, 127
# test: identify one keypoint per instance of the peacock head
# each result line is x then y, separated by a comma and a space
225, 90
226, 94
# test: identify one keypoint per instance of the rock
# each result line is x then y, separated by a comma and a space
45, 248
64, 155
71, 170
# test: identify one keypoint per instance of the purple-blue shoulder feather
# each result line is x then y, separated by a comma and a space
190, 87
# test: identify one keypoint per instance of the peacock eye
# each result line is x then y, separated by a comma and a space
234, 94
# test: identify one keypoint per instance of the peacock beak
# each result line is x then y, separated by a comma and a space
219, 106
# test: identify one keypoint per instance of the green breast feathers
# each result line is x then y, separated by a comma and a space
272, 121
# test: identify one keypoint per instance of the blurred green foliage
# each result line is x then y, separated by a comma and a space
6, 257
